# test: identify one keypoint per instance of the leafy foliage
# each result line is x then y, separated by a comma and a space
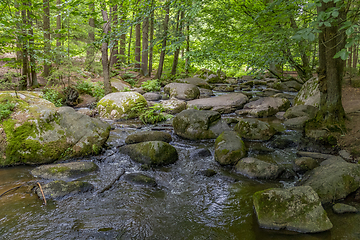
6, 108
151, 85
95, 90
53, 96
154, 114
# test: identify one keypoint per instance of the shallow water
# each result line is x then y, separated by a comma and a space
185, 205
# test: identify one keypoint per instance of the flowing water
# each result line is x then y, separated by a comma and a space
184, 205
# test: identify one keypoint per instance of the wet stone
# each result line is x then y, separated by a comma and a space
141, 179
59, 189
146, 136
341, 208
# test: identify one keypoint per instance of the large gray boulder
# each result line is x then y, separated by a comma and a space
58, 189
201, 83
120, 105
152, 153
295, 209
255, 168
309, 94
146, 136
334, 179
37, 132
173, 105
214, 78
229, 148
301, 111
206, 93
224, 104
194, 124
253, 129
288, 86
151, 96
64, 171
266, 106
182, 91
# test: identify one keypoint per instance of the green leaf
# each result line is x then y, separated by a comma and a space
335, 13
350, 30
327, 24
343, 54
350, 42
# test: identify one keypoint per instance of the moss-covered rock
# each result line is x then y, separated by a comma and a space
152, 153
64, 171
173, 105
333, 180
37, 132
304, 164
309, 94
194, 124
266, 106
146, 136
59, 189
229, 148
253, 129
142, 179
340, 208
121, 104
295, 209
255, 168
182, 91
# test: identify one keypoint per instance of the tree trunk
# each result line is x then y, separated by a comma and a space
104, 53
163, 50
137, 46
129, 45
350, 58
187, 60
25, 72
90, 53
123, 35
115, 49
145, 45
178, 35
355, 57
33, 81
47, 43
331, 40
58, 29
151, 39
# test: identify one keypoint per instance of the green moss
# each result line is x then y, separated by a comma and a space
59, 169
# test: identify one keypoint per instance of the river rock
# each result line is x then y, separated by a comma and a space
296, 123
182, 91
309, 94
255, 168
333, 180
229, 148
206, 93
315, 155
64, 171
224, 104
253, 129
295, 209
304, 164
37, 132
173, 105
200, 153
152, 153
59, 189
146, 136
121, 104
151, 96
224, 88
267, 106
340, 208
301, 111
142, 179
288, 86
201, 83
213, 78
194, 124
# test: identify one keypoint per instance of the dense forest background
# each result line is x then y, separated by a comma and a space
62, 41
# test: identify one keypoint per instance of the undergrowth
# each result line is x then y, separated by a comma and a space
6, 108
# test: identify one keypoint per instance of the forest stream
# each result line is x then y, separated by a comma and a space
184, 205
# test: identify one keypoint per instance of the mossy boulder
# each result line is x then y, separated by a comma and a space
59, 189
64, 171
152, 153
182, 91
295, 209
340, 208
194, 124
173, 105
146, 136
229, 148
201, 83
141, 179
333, 180
255, 168
214, 78
301, 111
253, 129
304, 164
266, 106
37, 132
289, 86
121, 104
309, 94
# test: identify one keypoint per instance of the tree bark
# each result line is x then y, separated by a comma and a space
129, 45
355, 57
123, 35
104, 53
145, 46
163, 50
90, 53
33, 81
137, 46
25, 63
187, 60
151, 39
47, 43
58, 29
115, 49
179, 26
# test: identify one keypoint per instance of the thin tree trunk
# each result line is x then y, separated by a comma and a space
24, 76
129, 45
137, 46
355, 57
151, 39
47, 43
33, 81
123, 35
187, 60
90, 53
145, 45
163, 50
350, 57
58, 29
115, 49
104, 53
178, 35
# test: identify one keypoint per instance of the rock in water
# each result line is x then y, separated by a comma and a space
341, 208
333, 180
295, 209
194, 124
64, 171
266, 106
253, 129
142, 179
255, 168
121, 104
152, 153
146, 136
182, 91
37, 132
229, 148
58, 189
